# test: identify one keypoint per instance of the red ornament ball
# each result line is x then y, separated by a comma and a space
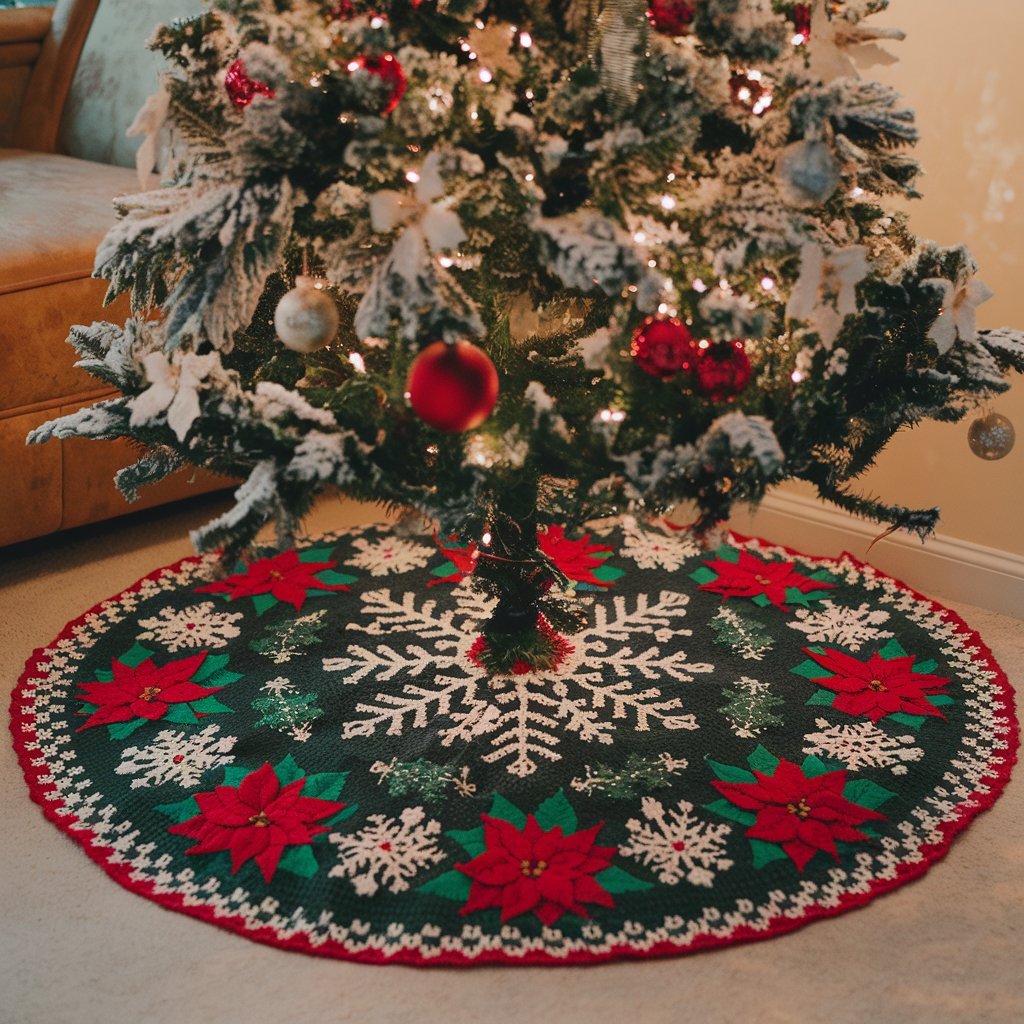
801, 23
663, 347
671, 17
241, 88
722, 371
389, 71
452, 387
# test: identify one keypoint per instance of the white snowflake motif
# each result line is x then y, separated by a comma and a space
603, 682
676, 844
389, 555
199, 625
175, 756
862, 745
655, 548
849, 627
388, 851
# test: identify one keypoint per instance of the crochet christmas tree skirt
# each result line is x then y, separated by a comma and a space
309, 753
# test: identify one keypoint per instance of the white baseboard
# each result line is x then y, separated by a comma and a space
941, 567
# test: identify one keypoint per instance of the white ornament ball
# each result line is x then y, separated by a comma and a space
306, 318
991, 437
808, 173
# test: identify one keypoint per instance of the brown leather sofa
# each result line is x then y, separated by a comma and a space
71, 78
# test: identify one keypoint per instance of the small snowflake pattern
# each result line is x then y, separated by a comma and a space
388, 555
581, 561
796, 811
656, 547
887, 685
199, 625
735, 573
387, 852
270, 816
859, 745
137, 690
847, 627
676, 844
176, 757
541, 864
290, 577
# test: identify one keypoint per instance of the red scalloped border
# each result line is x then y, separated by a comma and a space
22, 731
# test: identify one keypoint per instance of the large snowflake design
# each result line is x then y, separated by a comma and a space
608, 680
175, 756
831, 623
656, 547
387, 851
389, 555
862, 745
676, 844
199, 625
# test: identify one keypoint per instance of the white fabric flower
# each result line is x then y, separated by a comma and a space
958, 317
174, 389
826, 291
426, 211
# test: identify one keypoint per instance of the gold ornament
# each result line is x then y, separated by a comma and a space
306, 318
991, 437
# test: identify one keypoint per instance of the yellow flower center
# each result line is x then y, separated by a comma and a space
260, 820
150, 693
801, 810
877, 685
532, 869
764, 581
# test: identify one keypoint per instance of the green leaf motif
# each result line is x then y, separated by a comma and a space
724, 809
608, 573
342, 815
470, 839
122, 730
730, 773
445, 569
556, 811
136, 656
501, 808
234, 774
287, 770
867, 793
316, 555
821, 698
299, 860
104, 675
211, 663
703, 575
181, 714
763, 761
764, 853
187, 808
813, 767
893, 649
263, 601
940, 699
333, 578
615, 880
222, 678
452, 885
926, 666
910, 721
209, 706
810, 670
324, 785
728, 554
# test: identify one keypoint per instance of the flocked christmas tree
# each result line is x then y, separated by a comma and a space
532, 261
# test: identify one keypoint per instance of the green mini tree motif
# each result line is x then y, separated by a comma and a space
430, 781
743, 635
287, 639
749, 707
637, 777
287, 710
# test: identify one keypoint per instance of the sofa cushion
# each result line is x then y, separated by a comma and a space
54, 211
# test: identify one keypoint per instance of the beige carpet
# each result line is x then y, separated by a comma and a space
74, 946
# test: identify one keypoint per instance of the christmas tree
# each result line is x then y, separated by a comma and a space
512, 263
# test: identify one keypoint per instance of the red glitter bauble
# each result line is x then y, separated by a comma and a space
671, 17
663, 347
722, 371
388, 70
802, 22
452, 387
241, 88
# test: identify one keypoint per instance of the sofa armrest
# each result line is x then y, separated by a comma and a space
22, 32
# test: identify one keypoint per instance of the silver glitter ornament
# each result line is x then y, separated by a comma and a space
808, 173
991, 437
306, 318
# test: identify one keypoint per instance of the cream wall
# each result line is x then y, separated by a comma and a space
960, 68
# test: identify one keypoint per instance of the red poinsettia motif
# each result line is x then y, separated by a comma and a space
558, 648
464, 560
803, 815
256, 820
145, 691
752, 576
545, 872
283, 576
878, 687
575, 558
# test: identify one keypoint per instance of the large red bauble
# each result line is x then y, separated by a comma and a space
663, 347
722, 371
241, 88
452, 387
389, 71
671, 17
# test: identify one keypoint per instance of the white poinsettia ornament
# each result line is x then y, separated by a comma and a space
958, 316
174, 386
826, 291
